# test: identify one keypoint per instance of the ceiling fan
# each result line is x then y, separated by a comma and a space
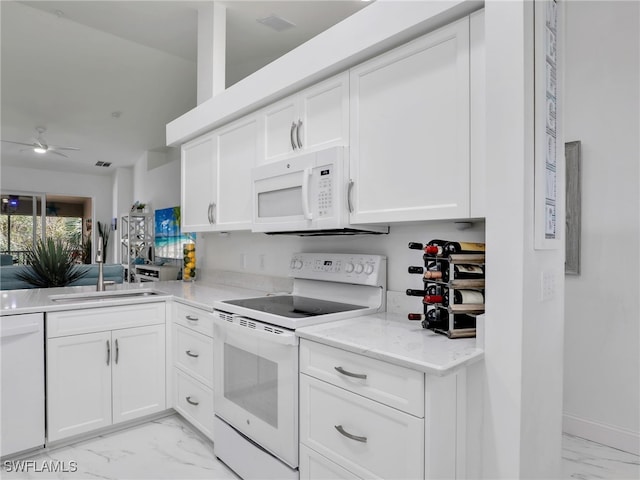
41, 146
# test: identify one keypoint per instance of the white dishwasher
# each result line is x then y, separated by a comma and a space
22, 382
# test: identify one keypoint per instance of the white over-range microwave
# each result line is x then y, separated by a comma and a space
306, 195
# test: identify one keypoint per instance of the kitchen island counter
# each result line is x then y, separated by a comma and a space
390, 338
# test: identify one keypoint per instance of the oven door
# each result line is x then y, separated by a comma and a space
256, 382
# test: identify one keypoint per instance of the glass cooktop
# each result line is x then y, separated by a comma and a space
292, 306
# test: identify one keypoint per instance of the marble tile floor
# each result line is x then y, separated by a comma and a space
169, 448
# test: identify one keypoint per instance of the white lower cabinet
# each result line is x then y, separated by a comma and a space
315, 466
192, 351
364, 418
105, 377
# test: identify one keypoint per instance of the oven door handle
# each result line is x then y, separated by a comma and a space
283, 337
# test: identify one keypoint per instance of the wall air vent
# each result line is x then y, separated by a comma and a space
279, 24
103, 164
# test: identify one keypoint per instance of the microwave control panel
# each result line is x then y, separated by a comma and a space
337, 267
324, 183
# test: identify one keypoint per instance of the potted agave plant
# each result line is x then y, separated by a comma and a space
52, 265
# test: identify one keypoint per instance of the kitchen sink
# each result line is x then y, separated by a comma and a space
106, 295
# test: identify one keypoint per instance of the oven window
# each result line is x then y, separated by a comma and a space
286, 202
251, 382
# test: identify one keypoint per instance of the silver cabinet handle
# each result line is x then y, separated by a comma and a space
298, 127
349, 191
191, 318
349, 435
188, 399
293, 143
349, 374
213, 215
194, 355
108, 352
117, 351
209, 212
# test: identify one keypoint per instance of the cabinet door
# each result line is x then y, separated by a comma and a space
138, 372
279, 130
314, 466
409, 154
324, 114
198, 182
78, 384
237, 153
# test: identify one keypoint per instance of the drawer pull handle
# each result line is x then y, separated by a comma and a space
191, 318
363, 376
194, 355
188, 399
350, 435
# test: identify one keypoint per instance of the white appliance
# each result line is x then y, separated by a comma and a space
306, 195
256, 357
22, 356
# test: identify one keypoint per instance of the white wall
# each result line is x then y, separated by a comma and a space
156, 179
602, 353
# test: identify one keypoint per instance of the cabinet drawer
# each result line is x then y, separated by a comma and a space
314, 466
89, 320
193, 353
376, 441
396, 386
194, 318
193, 401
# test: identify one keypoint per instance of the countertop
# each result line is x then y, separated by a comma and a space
204, 296
390, 338
384, 336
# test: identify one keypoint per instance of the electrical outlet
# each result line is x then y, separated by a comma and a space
548, 286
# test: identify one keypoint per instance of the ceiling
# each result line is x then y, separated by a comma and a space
107, 76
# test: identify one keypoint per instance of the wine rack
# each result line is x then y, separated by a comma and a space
456, 320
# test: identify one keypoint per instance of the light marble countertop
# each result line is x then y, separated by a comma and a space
205, 296
385, 336
390, 338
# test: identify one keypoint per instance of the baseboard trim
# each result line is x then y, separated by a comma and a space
609, 435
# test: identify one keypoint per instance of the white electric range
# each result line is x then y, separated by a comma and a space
256, 357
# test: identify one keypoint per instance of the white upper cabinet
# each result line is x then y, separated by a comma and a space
237, 155
216, 178
478, 115
198, 180
409, 145
310, 120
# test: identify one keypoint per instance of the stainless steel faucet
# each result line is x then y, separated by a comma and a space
100, 262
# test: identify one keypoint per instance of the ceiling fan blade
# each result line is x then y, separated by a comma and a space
55, 147
57, 153
19, 143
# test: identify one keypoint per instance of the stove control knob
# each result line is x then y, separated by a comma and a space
359, 268
368, 269
348, 267
297, 264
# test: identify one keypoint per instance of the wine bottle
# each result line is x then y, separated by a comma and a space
437, 248
416, 316
415, 246
463, 296
429, 290
435, 270
460, 272
438, 318
413, 269
460, 297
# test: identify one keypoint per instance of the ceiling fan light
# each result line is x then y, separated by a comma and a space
39, 150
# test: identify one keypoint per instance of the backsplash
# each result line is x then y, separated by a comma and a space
260, 256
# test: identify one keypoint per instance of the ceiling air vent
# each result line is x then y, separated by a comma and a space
279, 24
103, 164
